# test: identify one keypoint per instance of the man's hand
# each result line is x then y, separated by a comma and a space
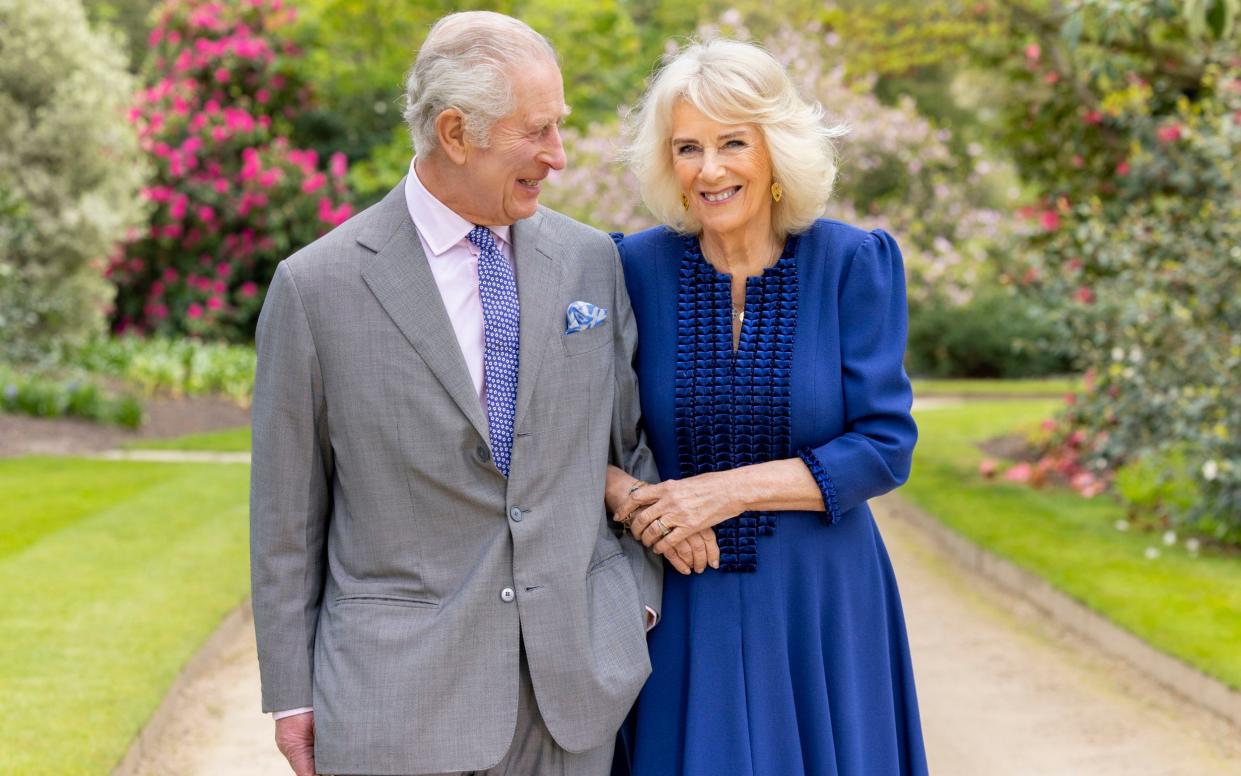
295, 738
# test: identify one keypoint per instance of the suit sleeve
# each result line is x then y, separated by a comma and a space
629, 449
873, 455
290, 496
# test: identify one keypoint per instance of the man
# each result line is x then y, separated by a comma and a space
442, 382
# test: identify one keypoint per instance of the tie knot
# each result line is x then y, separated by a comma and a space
481, 237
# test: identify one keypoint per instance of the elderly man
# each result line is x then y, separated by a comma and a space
442, 382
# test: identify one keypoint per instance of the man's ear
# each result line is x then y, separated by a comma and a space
450, 132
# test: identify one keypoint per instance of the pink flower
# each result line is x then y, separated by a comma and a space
1083, 295
1018, 473
1051, 78
170, 276
262, 96
1169, 133
195, 310
220, 287
222, 75
1073, 265
314, 183
215, 303
1048, 425
221, 186
1122, 169
1050, 220
337, 165
1078, 161
268, 178
1033, 52
1070, 399
1093, 117
219, 134
178, 207
223, 269
249, 288
987, 468
206, 214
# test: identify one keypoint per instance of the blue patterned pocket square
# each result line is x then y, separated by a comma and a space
582, 316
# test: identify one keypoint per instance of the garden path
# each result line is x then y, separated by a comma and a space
1002, 691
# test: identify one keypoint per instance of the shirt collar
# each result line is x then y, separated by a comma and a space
441, 228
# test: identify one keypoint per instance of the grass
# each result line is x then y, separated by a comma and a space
1042, 386
233, 440
113, 574
1184, 605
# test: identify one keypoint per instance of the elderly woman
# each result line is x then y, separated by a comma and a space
776, 405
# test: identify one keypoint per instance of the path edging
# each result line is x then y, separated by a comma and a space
236, 621
1181, 678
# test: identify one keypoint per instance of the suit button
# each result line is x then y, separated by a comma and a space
483, 453
515, 513
507, 595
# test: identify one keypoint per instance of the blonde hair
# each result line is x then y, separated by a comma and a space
733, 82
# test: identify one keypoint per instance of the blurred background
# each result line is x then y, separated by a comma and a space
1061, 175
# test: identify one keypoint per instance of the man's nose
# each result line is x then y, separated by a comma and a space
553, 155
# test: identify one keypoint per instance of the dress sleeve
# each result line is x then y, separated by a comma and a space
873, 455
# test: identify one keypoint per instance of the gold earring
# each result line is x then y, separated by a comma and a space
776, 192
684, 202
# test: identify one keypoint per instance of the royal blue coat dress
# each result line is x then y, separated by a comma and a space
792, 658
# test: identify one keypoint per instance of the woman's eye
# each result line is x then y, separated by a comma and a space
687, 148
735, 144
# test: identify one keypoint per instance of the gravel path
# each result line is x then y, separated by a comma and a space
1002, 691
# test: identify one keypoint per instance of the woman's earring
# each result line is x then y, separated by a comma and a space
684, 202
776, 192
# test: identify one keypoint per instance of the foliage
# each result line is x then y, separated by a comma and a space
1174, 592
128, 18
79, 396
178, 367
994, 334
115, 574
1125, 116
232, 195
606, 49
897, 172
70, 171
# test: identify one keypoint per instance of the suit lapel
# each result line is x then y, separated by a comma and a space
538, 291
400, 278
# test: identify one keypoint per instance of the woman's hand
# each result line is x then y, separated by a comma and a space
692, 555
676, 510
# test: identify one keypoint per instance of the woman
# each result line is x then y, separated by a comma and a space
775, 403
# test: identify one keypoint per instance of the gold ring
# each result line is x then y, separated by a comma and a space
662, 526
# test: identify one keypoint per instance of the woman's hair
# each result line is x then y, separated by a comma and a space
734, 83
468, 62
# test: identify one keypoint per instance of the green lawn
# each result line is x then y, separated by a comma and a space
1187, 606
114, 573
233, 440
1043, 386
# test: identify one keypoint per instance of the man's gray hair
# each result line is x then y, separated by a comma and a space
468, 62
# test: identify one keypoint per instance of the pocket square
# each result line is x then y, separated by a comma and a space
582, 316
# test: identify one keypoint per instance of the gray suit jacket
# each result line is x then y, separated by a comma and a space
383, 538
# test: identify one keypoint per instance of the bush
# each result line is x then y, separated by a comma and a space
1126, 119
232, 196
70, 171
996, 334
48, 396
177, 367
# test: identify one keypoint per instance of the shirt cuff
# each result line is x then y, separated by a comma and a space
291, 712
652, 619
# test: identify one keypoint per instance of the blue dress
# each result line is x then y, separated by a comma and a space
792, 658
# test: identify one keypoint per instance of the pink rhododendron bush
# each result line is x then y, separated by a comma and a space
232, 196
1125, 118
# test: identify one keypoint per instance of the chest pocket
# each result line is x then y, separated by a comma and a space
587, 341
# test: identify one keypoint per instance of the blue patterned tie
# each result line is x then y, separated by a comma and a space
497, 290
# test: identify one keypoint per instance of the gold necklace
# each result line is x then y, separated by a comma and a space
739, 312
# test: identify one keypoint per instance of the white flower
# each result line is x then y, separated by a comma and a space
1121, 525
1210, 470
1192, 545
1135, 354
1151, 553
1169, 538
1118, 354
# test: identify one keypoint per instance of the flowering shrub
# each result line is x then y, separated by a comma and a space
896, 171
1126, 118
231, 196
70, 171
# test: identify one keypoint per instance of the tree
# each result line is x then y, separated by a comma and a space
70, 171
